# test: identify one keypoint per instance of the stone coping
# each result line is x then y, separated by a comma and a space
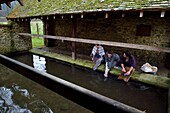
159, 81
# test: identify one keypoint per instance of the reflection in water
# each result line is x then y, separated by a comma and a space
7, 104
141, 96
39, 63
21, 95
24, 92
40, 106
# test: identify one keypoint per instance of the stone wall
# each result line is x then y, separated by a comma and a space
5, 37
119, 30
10, 41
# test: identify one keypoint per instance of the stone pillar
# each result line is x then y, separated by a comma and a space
10, 41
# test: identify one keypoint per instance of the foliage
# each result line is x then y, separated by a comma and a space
3, 23
37, 42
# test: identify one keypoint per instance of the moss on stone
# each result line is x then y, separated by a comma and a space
47, 7
158, 81
5, 25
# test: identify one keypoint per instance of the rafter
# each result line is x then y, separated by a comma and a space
20, 2
8, 3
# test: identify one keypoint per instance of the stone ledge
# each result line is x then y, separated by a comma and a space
158, 81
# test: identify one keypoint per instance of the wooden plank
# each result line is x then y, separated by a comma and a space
20, 2
8, 3
107, 43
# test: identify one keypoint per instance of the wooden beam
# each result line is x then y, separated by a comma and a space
107, 43
8, 3
20, 2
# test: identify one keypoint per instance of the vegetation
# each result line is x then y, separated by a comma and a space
3, 23
37, 42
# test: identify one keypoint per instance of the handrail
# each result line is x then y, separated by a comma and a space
107, 43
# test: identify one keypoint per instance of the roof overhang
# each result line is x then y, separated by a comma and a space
8, 2
46, 8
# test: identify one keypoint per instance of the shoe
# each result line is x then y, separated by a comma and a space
105, 75
94, 68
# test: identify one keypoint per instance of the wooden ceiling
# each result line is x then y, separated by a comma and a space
8, 2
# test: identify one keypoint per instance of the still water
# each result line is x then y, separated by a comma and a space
138, 95
21, 95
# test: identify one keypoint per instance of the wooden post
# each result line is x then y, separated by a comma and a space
73, 35
20, 2
45, 26
8, 4
37, 28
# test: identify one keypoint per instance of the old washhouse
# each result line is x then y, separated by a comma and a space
142, 27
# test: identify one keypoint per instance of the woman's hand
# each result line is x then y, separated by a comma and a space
123, 70
128, 73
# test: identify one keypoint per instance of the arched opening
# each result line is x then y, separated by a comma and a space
37, 27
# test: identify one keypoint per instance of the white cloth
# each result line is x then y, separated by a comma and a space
148, 68
100, 49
